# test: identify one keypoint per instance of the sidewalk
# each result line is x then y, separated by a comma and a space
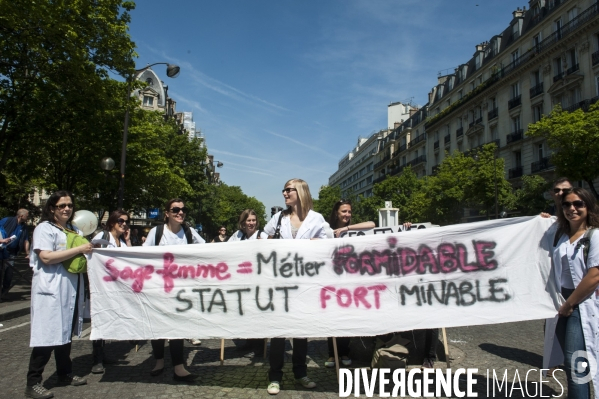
18, 300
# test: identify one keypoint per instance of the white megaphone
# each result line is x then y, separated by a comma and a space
85, 221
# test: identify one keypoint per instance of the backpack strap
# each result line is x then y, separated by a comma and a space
259, 233
105, 237
187, 232
558, 234
277, 234
585, 250
159, 234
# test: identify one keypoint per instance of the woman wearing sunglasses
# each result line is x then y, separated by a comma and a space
576, 270
56, 296
297, 222
222, 235
173, 232
117, 233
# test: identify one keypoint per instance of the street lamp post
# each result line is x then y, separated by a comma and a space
172, 71
496, 194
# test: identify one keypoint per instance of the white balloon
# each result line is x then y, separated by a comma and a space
85, 221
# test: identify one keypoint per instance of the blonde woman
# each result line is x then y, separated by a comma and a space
297, 222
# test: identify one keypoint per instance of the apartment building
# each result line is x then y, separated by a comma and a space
548, 55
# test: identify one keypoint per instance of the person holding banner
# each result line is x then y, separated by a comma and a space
340, 221
118, 234
576, 270
173, 232
56, 296
297, 222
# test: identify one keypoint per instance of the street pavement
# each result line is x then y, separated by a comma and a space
515, 347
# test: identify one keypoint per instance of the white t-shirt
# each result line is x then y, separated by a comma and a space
567, 254
112, 244
170, 238
238, 236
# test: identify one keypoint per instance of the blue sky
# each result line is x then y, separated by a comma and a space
283, 89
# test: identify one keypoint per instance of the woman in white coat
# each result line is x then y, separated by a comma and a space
296, 222
577, 329
118, 234
56, 296
173, 232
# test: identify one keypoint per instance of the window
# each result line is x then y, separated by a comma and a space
479, 80
460, 122
536, 41
494, 133
572, 13
403, 160
471, 85
493, 103
460, 94
515, 90
537, 112
571, 60
477, 61
558, 66
515, 124
597, 85
150, 82
539, 152
518, 158
515, 57
148, 101
535, 78
557, 27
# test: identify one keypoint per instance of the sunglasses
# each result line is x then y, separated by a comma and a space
288, 190
565, 190
64, 206
177, 210
122, 221
577, 204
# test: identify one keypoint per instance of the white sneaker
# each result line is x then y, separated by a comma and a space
306, 382
329, 363
195, 341
346, 361
273, 388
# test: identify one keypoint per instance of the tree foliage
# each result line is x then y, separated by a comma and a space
574, 138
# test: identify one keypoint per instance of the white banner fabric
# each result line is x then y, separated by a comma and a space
467, 274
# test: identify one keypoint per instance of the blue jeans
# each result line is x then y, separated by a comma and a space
571, 339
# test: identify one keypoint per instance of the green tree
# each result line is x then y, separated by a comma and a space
574, 139
327, 197
530, 199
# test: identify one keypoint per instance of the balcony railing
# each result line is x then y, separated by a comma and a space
514, 102
436, 145
584, 105
379, 179
381, 162
417, 140
558, 76
496, 141
401, 149
572, 69
596, 58
515, 172
447, 139
540, 165
459, 132
479, 120
418, 160
515, 136
536, 90
492, 114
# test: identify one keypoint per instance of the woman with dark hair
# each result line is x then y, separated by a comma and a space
174, 231
56, 295
298, 221
117, 233
340, 221
249, 227
576, 270
222, 235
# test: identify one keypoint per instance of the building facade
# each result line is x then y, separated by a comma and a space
548, 55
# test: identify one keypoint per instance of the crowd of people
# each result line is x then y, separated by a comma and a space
57, 295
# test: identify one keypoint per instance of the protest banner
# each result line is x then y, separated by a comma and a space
468, 274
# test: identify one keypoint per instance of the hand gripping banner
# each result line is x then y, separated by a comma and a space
459, 275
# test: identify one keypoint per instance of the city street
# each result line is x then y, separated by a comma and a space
512, 347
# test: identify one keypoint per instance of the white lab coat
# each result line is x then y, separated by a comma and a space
170, 238
589, 308
53, 292
311, 227
238, 236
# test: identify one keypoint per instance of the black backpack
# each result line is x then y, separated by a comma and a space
160, 233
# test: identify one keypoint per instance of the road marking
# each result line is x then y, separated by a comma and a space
13, 327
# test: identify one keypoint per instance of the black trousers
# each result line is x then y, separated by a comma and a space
176, 347
342, 346
40, 355
277, 358
431, 339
